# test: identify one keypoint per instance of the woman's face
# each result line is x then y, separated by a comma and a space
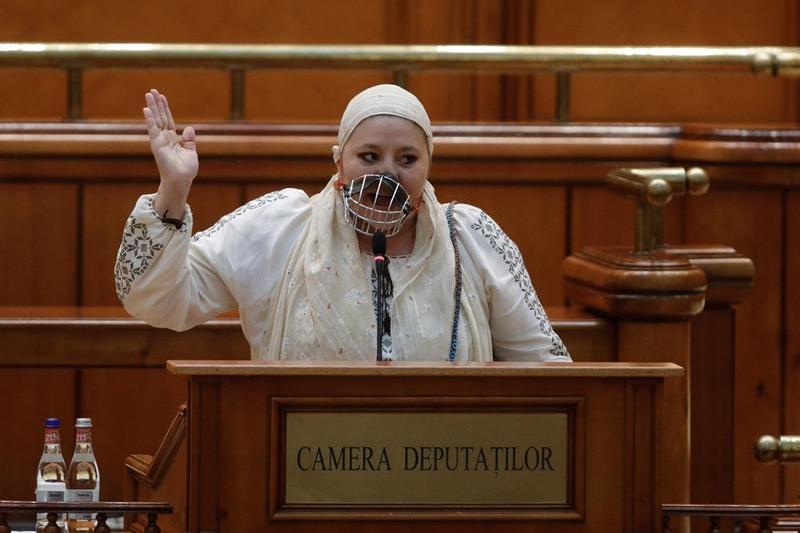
386, 143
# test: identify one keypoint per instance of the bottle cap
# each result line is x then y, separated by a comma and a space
52, 423
83, 423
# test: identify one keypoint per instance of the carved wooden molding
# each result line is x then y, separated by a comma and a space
614, 281
150, 469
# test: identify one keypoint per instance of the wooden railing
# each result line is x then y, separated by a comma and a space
563, 61
768, 517
103, 509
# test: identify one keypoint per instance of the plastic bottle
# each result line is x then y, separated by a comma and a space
83, 477
51, 474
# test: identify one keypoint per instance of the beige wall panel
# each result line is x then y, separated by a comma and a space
751, 222
105, 209
131, 410
30, 396
674, 97
534, 218
791, 321
38, 236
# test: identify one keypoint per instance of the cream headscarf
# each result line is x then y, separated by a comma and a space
385, 99
322, 308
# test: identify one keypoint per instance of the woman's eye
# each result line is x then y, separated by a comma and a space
408, 159
368, 157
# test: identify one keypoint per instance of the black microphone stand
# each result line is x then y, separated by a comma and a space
379, 251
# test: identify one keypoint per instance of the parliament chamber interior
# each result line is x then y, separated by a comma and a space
643, 156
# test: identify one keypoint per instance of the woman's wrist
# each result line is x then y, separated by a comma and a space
170, 202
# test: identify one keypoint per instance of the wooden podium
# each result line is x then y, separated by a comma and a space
290, 447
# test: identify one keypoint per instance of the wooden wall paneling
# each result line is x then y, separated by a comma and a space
599, 216
640, 341
534, 218
197, 94
282, 95
751, 222
488, 100
29, 397
712, 401
105, 210
517, 89
130, 409
194, 95
791, 336
686, 98
690, 98
452, 96
27, 93
39, 239
303, 95
318, 94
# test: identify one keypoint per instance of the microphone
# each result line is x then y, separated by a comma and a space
379, 252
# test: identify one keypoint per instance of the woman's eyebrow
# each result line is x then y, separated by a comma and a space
368, 146
375, 147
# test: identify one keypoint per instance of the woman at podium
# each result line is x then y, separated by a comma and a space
300, 270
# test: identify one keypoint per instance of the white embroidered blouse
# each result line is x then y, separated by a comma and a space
171, 279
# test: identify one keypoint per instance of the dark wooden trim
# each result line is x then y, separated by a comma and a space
690, 509
15, 506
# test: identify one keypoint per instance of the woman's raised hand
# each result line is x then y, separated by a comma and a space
175, 155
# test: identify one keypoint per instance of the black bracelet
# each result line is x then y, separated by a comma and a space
178, 223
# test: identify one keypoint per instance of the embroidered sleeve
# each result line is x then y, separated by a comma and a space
143, 239
170, 279
160, 280
520, 327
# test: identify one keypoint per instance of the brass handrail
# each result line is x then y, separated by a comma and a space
400, 59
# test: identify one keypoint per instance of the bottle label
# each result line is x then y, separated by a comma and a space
83, 436
51, 436
46, 494
82, 496
49, 496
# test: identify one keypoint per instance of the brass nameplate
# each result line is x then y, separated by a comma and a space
442, 458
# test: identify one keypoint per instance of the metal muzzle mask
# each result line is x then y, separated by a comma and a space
376, 202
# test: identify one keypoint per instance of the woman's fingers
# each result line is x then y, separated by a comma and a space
189, 136
152, 129
162, 111
170, 121
150, 99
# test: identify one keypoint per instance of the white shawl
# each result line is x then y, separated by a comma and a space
322, 308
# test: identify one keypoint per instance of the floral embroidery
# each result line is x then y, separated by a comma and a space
136, 254
511, 256
259, 202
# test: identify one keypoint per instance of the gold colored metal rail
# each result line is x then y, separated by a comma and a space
399, 59
653, 188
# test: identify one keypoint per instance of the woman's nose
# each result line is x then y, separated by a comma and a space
389, 168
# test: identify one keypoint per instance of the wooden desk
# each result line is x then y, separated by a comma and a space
616, 436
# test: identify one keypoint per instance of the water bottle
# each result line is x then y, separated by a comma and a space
83, 477
51, 474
